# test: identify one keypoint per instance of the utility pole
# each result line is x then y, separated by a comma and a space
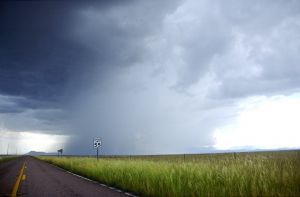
7, 149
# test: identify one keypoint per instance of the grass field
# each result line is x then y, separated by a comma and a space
6, 158
242, 174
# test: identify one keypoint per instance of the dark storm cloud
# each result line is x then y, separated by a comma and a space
40, 65
146, 76
39, 62
51, 52
41, 57
36, 56
10, 104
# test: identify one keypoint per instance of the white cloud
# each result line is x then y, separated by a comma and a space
264, 122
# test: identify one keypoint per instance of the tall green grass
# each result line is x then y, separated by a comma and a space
255, 174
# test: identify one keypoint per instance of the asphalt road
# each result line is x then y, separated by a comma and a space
42, 179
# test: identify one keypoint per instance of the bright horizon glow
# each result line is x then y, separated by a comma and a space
23, 142
263, 123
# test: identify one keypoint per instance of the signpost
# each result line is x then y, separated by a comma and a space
59, 151
97, 144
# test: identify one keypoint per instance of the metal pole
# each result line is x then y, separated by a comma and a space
97, 153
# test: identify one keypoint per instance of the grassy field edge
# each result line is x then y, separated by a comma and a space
6, 158
256, 174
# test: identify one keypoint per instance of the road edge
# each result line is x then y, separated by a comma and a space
90, 180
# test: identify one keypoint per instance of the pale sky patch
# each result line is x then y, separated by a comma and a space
263, 123
24, 142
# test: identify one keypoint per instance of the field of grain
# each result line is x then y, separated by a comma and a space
232, 174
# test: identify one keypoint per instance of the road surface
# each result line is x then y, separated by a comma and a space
42, 179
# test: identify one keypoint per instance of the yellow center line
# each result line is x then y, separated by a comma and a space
17, 184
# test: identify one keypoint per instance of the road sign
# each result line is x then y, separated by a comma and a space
59, 151
97, 142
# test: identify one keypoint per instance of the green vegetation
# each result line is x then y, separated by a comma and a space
242, 174
6, 158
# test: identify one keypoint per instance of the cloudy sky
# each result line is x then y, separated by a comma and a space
149, 77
